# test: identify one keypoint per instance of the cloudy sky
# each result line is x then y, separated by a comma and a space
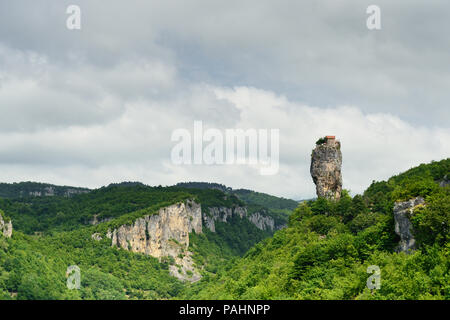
98, 105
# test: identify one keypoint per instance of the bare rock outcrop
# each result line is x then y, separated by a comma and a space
262, 222
326, 163
222, 214
403, 227
165, 234
5, 227
96, 236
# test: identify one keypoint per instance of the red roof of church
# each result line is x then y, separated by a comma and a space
330, 137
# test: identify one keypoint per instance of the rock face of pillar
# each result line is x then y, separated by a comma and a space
326, 163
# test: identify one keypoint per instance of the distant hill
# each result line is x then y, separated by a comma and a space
204, 185
265, 200
36, 189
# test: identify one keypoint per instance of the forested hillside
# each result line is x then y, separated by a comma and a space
328, 246
54, 232
323, 253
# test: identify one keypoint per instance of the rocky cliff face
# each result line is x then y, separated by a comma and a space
403, 226
73, 192
5, 227
223, 214
51, 191
326, 162
165, 234
262, 222
46, 192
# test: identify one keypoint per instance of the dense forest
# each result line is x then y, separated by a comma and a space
54, 232
326, 249
323, 253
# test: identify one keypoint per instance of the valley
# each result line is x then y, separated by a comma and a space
207, 241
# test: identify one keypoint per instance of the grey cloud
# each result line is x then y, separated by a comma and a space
98, 105
300, 49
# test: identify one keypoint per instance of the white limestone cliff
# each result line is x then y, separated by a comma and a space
165, 234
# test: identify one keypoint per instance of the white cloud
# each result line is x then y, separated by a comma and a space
98, 106
136, 145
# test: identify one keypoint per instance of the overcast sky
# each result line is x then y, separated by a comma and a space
98, 105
